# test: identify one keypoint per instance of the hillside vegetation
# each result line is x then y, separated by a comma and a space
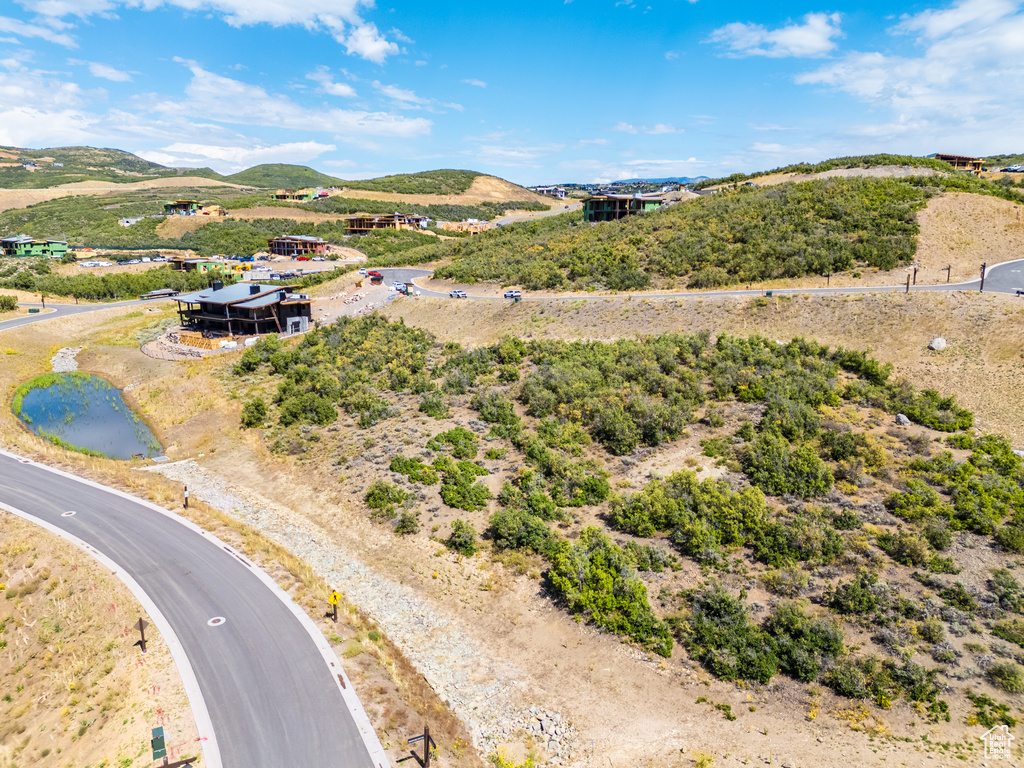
79, 164
440, 182
736, 236
822, 501
281, 175
859, 161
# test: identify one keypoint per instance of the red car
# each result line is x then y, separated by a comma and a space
302, 258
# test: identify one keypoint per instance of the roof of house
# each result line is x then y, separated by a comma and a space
303, 238
239, 294
958, 157
650, 198
22, 239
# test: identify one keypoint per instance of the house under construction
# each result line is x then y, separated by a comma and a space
963, 162
299, 195
360, 225
292, 246
473, 226
613, 207
182, 207
245, 309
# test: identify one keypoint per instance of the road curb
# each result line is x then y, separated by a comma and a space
341, 680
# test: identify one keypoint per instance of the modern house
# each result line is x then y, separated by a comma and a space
182, 207
962, 162
360, 225
23, 245
558, 192
245, 309
292, 246
300, 195
200, 264
610, 207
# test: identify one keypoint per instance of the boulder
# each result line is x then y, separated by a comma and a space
902, 420
1019, 453
938, 344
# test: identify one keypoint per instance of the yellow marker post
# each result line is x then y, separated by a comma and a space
334, 599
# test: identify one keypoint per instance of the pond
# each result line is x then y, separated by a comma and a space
83, 413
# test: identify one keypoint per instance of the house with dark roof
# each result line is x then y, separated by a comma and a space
297, 245
245, 309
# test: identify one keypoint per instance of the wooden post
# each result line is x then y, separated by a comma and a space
186, 497
141, 626
983, 266
949, 269
915, 275
426, 746
908, 284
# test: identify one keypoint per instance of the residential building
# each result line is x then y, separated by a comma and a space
360, 225
558, 192
473, 226
182, 207
23, 245
200, 264
962, 162
292, 246
609, 207
300, 195
244, 309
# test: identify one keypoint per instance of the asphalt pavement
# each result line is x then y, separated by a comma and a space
267, 688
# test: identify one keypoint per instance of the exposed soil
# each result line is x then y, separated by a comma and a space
77, 691
483, 189
22, 198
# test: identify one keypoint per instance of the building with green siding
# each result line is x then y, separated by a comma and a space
613, 207
23, 245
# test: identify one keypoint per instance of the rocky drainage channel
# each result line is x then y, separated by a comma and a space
449, 660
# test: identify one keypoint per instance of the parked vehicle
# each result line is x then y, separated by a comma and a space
512, 294
362, 270
457, 294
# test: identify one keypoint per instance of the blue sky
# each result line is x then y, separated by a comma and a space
536, 91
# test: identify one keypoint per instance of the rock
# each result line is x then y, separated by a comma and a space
902, 420
1019, 453
938, 344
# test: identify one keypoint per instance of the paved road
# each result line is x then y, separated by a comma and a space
269, 690
63, 310
1007, 277
567, 208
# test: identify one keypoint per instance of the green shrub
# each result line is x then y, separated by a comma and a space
1007, 590
938, 534
958, 597
519, 529
777, 469
787, 582
802, 644
414, 469
408, 523
254, 413
8, 303
462, 538
931, 631
382, 497
1006, 675
1011, 538
458, 488
433, 404
459, 440
990, 713
904, 547
853, 598
596, 580
1012, 631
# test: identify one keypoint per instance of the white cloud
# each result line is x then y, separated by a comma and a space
340, 18
512, 154
234, 158
660, 129
322, 77
813, 38
477, 83
107, 72
671, 55
964, 88
402, 95
24, 29
218, 98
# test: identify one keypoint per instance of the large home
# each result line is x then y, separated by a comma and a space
360, 225
558, 192
963, 162
293, 246
23, 245
609, 207
182, 207
200, 264
300, 195
244, 309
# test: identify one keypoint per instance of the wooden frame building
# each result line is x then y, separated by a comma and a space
23, 245
963, 162
291, 246
244, 309
614, 207
360, 225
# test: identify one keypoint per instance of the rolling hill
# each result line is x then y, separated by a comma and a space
280, 175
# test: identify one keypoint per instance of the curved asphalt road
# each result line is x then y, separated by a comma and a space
273, 693
1007, 277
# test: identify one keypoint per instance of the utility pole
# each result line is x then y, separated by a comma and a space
141, 626
983, 266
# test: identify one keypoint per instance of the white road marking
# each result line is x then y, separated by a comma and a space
69, 513
216, 621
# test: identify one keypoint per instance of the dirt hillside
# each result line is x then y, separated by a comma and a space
483, 189
22, 198
878, 171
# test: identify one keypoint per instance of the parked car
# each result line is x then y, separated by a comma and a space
512, 294
134, 261
362, 270
457, 294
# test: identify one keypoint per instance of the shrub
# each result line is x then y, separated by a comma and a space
802, 644
458, 488
1007, 590
596, 580
990, 713
307, 408
8, 303
433, 404
852, 598
904, 547
408, 523
414, 469
787, 582
931, 631
720, 635
1006, 675
777, 469
462, 538
1011, 538
938, 534
254, 413
462, 443
1012, 631
382, 497
519, 529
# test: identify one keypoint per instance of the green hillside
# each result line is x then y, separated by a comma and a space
745, 235
1001, 161
440, 182
62, 165
280, 175
859, 161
